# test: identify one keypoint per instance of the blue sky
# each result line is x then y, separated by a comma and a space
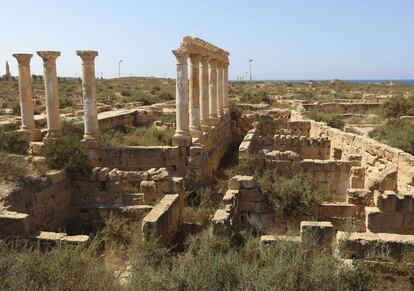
295, 39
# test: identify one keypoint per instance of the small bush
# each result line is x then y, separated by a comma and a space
137, 136
65, 101
13, 142
12, 168
125, 93
67, 153
291, 196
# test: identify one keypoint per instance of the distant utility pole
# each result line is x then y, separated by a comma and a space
250, 68
119, 68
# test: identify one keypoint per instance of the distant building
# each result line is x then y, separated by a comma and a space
7, 76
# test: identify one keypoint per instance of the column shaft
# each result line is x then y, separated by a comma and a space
226, 86
195, 96
26, 96
219, 88
182, 135
90, 112
212, 80
51, 92
204, 111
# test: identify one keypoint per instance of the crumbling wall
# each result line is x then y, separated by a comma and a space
336, 107
42, 204
164, 220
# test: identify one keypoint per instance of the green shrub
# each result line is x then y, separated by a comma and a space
291, 196
396, 133
125, 93
12, 168
13, 142
67, 153
137, 136
332, 119
65, 267
397, 106
65, 101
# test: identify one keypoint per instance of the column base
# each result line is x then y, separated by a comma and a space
33, 134
182, 140
91, 143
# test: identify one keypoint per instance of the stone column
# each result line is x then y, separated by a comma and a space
226, 86
90, 112
212, 81
195, 96
204, 111
182, 135
219, 88
51, 92
26, 97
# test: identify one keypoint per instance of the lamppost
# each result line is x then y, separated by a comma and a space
119, 68
250, 68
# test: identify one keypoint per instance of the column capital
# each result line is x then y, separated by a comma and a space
87, 56
194, 58
219, 64
23, 59
48, 56
212, 61
181, 57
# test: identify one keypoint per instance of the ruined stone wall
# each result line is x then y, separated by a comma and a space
137, 158
307, 148
372, 153
44, 204
245, 208
334, 107
164, 220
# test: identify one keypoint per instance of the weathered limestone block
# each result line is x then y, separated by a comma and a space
360, 197
164, 220
221, 222
149, 189
357, 179
273, 239
320, 232
13, 224
238, 182
362, 245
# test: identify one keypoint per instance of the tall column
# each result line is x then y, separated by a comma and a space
195, 96
90, 112
219, 88
26, 97
182, 135
51, 92
204, 111
212, 81
226, 86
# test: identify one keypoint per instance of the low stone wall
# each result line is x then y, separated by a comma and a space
307, 148
143, 158
164, 220
334, 107
44, 204
372, 153
269, 121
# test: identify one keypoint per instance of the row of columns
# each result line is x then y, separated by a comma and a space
91, 133
201, 93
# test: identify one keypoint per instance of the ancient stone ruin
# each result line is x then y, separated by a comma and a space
371, 184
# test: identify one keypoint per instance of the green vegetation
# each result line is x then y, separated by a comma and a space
255, 97
396, 133
137, 136
12, 141
208, 262
288, 196
332, 119
68, 152
398, 106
